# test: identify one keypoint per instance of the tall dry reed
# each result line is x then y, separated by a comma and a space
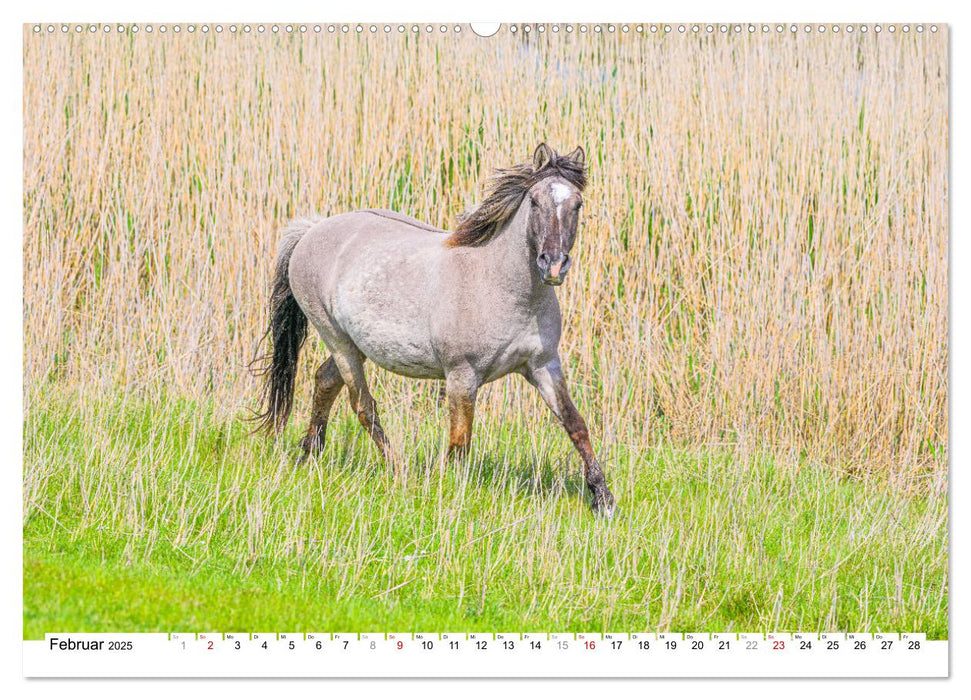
763, 255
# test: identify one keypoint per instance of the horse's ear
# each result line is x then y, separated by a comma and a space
578, 156
542, 156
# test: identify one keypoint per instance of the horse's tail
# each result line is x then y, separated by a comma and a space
287, 331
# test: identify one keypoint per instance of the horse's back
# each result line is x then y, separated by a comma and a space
370, 277
404, 219
365, 228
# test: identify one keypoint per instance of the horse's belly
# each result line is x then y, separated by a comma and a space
407, 359
394, 335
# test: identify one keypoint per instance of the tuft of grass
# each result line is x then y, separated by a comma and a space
168, 515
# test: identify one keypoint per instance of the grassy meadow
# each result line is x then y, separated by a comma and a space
755, 326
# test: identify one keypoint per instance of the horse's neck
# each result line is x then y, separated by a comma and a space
509, 256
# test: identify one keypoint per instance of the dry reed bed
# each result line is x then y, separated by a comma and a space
762, 263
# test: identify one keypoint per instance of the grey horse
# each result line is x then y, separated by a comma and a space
468, 306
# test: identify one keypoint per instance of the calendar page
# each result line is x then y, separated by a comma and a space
380, 349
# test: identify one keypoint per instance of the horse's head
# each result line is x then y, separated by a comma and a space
554, 213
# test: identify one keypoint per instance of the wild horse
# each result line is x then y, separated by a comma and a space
468, 306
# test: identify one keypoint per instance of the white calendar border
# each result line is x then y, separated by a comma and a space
12, 651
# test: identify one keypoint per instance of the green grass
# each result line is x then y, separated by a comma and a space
166, 515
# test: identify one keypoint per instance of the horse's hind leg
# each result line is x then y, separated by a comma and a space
327, 386
351, 367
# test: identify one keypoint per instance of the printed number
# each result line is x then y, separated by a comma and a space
264, 645
453, 645
346, 642
644, 646
237, 645
318, 645
400, 645
616, 644
859, 645
724, 646
482, 645
563, 645
778, 645
535, 645
672, 645
590, 644
127, 646
209, 646
751, 645
509, 645
291, 645
427, 645
886, 645
803, 646
833, 646
697, 645
913, 645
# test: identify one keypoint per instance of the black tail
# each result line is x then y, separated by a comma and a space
287, 331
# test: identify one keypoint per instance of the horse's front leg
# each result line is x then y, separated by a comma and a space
461, 386
549, 381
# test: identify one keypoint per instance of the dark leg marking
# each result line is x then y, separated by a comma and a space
350, 363
327, 386
461, 388
367, 415
461, 415
551, 384
593, 474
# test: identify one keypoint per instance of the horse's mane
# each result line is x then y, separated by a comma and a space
507, 187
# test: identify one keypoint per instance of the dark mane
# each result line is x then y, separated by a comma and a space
507, 187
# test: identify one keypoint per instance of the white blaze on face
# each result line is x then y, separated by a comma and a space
560, 194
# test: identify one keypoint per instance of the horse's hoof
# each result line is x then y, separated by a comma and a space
604, 505
309, 447
306, 455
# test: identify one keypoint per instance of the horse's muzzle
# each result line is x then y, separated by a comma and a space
553, 268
